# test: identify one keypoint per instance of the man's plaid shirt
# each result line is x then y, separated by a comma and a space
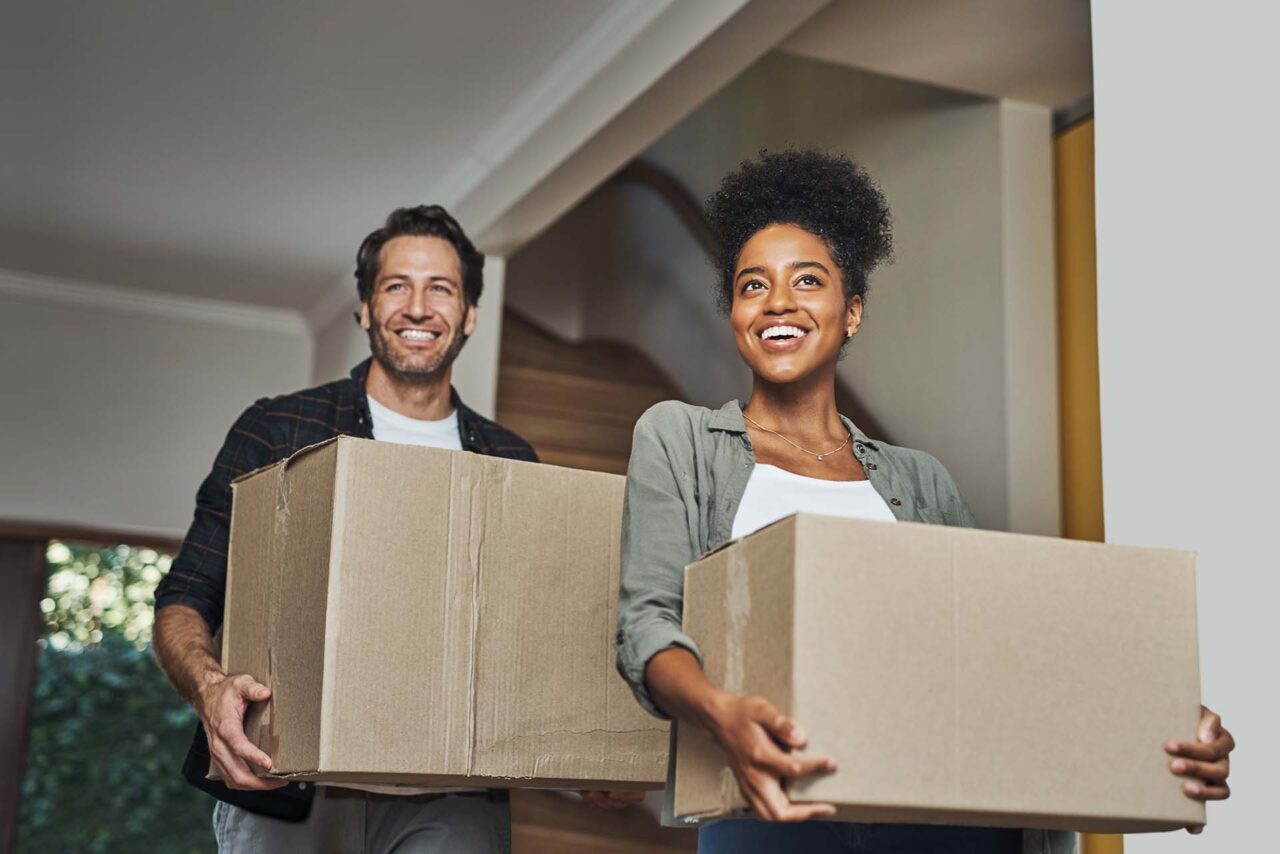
267, 432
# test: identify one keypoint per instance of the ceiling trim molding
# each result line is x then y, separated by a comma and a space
685, 57
138, 302
549, 93
527, 113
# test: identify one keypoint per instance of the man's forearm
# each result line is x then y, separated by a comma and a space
184, 648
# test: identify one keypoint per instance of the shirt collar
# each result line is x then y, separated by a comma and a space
728, 418
469, 422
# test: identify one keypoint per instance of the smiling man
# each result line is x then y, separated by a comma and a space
419, 280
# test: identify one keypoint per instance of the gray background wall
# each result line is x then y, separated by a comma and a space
1187, 179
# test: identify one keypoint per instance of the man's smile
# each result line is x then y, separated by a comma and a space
418, 338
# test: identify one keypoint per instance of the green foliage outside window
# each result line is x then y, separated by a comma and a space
108, 733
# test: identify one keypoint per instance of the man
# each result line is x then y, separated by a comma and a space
419, 280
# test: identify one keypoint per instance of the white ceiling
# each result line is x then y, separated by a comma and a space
1038, 51
240, 150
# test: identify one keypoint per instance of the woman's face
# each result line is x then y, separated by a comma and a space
789, 314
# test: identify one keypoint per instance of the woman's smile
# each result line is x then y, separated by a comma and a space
782, 337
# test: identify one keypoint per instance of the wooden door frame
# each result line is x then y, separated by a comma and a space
21, 586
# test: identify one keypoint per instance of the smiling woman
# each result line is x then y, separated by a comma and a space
800, 233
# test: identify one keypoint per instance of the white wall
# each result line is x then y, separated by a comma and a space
969, 181
1030, 319
341, 344
1187, 180
113, 404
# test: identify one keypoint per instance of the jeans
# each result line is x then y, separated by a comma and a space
750, 836
351, 822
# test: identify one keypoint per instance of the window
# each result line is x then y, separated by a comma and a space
107, 733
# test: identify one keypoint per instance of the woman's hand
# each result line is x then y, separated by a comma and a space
1205, 762
758, 739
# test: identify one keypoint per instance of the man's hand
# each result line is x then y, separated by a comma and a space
183, 646
1205, 762
612, 800
221, 705
758, 740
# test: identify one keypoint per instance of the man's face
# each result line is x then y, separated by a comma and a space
417, 317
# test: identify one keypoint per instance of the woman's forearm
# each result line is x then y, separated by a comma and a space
680, 688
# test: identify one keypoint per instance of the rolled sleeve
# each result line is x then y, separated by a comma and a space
659, 520
641, 642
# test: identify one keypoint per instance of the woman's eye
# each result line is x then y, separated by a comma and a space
753, 285
808, 280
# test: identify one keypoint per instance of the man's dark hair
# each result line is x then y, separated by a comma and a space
421, 221
826, 194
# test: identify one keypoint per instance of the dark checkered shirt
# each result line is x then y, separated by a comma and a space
267, 432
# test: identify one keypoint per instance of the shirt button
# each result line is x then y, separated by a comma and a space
871, 466
895, 502
302, 785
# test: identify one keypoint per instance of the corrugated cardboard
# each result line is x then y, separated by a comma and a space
956, 676
433, 617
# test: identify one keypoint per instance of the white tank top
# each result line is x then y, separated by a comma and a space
773, 493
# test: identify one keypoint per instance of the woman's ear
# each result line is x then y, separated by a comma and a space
853, 319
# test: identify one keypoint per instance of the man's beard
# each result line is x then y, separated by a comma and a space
411, 371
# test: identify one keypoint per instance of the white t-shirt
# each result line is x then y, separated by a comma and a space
773, 493
391, 426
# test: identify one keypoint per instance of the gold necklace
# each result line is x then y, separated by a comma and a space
793, 444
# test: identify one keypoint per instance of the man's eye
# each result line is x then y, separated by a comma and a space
395, 286
443, 289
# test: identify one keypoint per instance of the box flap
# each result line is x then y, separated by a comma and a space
290, 460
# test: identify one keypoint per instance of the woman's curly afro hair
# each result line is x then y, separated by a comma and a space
826, 194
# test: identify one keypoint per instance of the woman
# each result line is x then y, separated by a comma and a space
800, 232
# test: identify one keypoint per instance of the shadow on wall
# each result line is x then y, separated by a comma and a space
640, 277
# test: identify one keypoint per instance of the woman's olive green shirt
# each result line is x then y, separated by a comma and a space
689, 468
